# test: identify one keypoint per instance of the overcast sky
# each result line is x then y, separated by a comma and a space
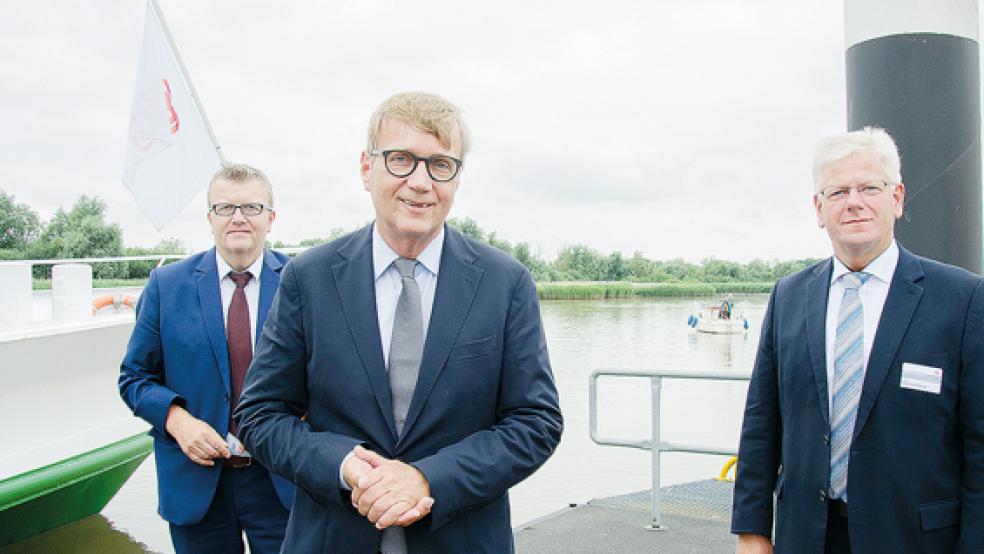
678, 129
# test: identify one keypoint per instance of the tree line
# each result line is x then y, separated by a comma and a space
83, 232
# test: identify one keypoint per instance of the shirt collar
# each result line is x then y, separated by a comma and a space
224, 268
383, 255
882, 267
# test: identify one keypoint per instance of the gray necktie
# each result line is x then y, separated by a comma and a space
407, 343
406, 348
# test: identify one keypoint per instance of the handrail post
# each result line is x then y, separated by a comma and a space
656, 383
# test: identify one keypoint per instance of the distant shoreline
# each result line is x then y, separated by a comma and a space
551, 290
598, 290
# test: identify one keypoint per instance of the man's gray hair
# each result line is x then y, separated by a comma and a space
869, 139
241, 173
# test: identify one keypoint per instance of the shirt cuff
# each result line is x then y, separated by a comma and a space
342, 484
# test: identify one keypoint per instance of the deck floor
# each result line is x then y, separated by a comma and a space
695, 519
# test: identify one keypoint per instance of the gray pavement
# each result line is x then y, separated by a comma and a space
695, 519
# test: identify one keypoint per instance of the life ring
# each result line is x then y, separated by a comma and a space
100, 302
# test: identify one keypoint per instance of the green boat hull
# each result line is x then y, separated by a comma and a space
74, 488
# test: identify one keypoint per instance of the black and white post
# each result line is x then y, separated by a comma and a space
913, 69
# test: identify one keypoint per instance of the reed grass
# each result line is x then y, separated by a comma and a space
593, 290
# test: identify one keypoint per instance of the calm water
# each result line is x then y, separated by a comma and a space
583, 336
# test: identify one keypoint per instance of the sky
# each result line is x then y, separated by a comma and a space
675, 129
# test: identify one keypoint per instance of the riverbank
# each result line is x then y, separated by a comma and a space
552, 290
600, 290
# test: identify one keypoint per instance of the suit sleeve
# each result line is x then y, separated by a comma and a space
760, 443
972, 424
141, 379
274, 399
485, 464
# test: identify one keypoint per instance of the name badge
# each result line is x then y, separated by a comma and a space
922, 378
235, 447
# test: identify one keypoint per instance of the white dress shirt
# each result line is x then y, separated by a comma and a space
389, 284
252, 290
873, 294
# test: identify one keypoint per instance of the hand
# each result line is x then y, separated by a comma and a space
753, 544
199, 442
392, 492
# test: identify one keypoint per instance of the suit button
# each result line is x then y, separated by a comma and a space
826, 440
823, 495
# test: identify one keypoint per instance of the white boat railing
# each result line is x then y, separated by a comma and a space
161, 258
654, 444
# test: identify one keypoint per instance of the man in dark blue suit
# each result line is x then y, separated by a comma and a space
418, 356
197, 320
865, 420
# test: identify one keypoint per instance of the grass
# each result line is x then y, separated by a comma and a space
570, 290
603, 290
45, 284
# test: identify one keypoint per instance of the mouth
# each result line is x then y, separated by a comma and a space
416, 205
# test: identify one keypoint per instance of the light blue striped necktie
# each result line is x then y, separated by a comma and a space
848, 379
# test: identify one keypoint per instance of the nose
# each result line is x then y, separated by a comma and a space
419, 178
238, 215
854, 197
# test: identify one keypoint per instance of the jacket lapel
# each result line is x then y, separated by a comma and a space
269, 280
357, 295
817, 293
210, 303
456, 286
900, 305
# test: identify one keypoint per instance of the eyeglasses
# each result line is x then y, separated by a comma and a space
401, 163
249, 209
840, 194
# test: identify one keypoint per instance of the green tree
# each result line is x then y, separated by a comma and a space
467, 227
19, 224
82, 232
140, 269
615, 268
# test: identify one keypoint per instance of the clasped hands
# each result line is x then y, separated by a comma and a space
387, 492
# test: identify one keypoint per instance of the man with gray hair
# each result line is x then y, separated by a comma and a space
184, 368
864, 424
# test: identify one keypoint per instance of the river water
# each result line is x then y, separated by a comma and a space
582, 335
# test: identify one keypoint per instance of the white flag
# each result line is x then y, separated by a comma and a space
169, 155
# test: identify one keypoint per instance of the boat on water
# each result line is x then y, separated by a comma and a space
62, 369
724, 318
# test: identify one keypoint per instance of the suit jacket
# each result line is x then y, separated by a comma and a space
484, 414
916, 470
178, 353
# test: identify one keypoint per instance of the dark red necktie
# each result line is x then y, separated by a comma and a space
240, 340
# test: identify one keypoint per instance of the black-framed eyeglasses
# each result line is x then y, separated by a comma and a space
401, 163
249, 209
839, 194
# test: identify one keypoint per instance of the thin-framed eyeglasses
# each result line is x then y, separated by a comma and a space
840, 194
249, 209
401, 163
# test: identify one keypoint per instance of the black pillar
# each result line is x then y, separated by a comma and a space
914, 71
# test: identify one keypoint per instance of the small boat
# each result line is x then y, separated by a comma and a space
718, 319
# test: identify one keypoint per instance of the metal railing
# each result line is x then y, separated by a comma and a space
654, 444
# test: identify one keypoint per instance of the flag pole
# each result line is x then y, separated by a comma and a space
187, 78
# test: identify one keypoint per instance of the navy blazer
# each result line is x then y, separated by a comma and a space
916, 473
178, 353
483, 417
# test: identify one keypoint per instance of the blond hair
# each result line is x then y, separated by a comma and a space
241, 173
425, 111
